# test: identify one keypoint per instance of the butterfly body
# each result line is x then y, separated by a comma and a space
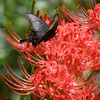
40, 30
34, 36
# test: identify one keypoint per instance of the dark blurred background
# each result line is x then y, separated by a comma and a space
14, 11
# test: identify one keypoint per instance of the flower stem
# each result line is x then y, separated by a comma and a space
28, 97
33, 6
26, 63
32, 11
22, 97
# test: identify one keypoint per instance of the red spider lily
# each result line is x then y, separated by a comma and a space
95, 17
59, 74
77, 49
50, 81
89, 17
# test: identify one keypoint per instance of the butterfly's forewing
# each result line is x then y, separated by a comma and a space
37, 24
51, 31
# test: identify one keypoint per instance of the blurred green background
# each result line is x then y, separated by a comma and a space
14, 11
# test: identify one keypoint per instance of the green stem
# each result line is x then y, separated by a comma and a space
28, 97
33, 6
32, 11
22, 97
26, 63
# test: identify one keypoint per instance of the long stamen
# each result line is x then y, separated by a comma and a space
12, 30
13, 73
11, 33
25, 73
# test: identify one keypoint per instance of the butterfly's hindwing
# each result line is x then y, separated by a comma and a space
37, 24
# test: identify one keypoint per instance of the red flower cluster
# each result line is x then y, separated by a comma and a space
59, 74
94, 18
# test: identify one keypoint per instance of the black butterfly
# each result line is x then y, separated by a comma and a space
40, 30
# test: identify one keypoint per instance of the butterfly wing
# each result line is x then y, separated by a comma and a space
54, 22
37, 24
51, 31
